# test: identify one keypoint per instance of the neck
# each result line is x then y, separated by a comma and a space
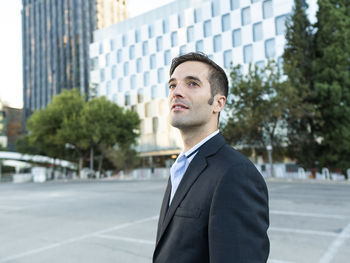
192, 136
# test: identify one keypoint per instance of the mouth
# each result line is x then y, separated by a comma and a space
178, 107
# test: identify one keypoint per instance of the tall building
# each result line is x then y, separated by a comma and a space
130, 60
3, 122
56, 35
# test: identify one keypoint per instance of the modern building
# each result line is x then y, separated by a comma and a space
56, 35
130, 60
3, 136
13, 126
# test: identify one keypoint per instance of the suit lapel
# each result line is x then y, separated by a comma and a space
193, 171
164, 208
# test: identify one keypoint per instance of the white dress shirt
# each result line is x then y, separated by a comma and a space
179, 168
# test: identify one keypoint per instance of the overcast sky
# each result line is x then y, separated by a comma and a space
11, 45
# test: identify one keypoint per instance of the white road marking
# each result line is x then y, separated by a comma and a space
279, 188
306, 232
134, 240
278, 261
75, 239
276, 212
336, 244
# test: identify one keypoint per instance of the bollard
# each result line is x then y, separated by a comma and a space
348, 173
301, 173
325, 173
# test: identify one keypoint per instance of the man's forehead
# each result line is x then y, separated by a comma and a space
191, 68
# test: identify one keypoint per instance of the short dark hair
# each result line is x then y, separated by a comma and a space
217, 77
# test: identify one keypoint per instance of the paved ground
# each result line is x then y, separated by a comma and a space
115, 221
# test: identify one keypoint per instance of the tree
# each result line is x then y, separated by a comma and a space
69, 122
259, 108
331, 71
298, 57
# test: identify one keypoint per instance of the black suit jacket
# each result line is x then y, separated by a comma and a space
219, 213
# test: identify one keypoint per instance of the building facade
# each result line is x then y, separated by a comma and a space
130, 60
3, 124
55, 36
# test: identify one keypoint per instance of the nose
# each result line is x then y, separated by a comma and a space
177, 91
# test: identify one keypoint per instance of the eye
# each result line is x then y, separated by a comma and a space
172, 86
192, 84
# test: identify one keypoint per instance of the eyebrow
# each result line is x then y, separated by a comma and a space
187, 78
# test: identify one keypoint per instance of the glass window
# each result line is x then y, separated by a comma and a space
280, 63
215, 8
260, 64
101, 48
236, 38
183, 50
167, 57
248, 53
207, 28
267, 9
166, 89
159, 43
254, 1
234, 4
137, 35
154, 92
165, 26
270, 48
108, 88
160, 75
119, 55
133, 82
124, 40
190, 34
132, 52
115, 98
145, 48
146, 78
199, 46
280, 23
154, 124
139, 65
120, 84
127, 98
150, 31
114, 71
139, 95
152, 61
112, 43
108, 59
225, 22
227, 58
217, 43
245, 16
257, 32
126, 68
174, 39
180, 20
197, 15
102, 75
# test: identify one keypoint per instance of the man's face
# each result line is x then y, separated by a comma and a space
189, 95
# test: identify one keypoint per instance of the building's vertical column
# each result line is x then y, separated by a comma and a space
25, 64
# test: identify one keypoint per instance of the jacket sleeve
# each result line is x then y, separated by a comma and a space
239, 217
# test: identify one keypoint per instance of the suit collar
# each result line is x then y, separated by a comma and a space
198, 164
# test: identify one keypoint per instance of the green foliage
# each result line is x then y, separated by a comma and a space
70, 125
261, 104
298, 57
331, 72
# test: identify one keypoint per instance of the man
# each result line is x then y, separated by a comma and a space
215, 208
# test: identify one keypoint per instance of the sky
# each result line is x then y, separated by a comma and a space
11, 44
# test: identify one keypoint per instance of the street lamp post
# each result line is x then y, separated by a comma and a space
269, 154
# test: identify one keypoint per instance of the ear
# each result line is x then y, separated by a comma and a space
219, 103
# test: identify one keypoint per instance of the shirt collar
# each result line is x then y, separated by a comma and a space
195, 148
